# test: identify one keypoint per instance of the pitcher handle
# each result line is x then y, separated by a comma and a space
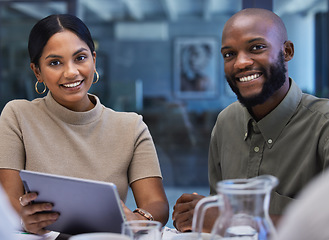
200, 210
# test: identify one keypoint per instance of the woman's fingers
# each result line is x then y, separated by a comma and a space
40, 218
36, 208
38, 227
36, 222
36, 216
26, 199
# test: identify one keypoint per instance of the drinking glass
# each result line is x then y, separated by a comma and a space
192, 236
99, 236
142, 230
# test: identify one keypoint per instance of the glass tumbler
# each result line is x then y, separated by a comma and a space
142, 230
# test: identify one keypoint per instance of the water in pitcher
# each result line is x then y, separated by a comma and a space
241, 233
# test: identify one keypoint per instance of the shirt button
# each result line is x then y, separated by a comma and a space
270, 141
256, 149
246, 134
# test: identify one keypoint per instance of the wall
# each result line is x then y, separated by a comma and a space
301, 32
152, 62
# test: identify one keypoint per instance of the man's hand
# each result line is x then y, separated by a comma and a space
183, 211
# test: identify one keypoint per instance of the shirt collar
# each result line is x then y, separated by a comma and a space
273, 124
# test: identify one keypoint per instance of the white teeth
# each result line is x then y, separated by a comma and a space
248, 78
71, 85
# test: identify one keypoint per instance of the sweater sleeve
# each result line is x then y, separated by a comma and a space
11, 141
145, 160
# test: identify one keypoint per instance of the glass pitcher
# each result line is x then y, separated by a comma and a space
243, 206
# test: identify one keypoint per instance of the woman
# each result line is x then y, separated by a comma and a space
69, 132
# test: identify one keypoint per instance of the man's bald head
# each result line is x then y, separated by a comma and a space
264, 16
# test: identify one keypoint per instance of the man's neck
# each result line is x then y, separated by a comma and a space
261, 110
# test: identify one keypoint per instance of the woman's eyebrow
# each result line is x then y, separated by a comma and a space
79, 51
53, 56
58, 56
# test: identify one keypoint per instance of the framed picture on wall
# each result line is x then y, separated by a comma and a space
195, 67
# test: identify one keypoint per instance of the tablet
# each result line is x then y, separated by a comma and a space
84, 205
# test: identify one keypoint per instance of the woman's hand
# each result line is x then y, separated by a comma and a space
130, 215
36, 216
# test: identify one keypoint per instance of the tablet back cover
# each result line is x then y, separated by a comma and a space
84, 205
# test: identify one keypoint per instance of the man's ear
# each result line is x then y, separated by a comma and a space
36, 71
288, 51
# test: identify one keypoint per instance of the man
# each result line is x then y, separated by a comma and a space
273, 129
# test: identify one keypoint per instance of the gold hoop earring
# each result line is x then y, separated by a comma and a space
36, 88
97, 77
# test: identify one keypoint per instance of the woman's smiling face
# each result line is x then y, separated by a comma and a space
67, 67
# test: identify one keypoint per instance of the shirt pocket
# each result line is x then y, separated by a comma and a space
279, 203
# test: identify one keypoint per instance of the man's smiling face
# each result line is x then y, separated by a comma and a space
254, 63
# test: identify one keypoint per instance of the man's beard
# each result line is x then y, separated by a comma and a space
272, 84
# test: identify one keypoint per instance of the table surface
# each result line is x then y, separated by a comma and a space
168, 233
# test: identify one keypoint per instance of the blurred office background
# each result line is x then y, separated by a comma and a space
161, 58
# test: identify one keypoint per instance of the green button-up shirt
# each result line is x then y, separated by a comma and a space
291, 143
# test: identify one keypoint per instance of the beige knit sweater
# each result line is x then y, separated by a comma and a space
100, 144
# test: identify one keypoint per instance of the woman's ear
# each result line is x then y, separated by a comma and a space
36, 71
94, 59
288, 51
